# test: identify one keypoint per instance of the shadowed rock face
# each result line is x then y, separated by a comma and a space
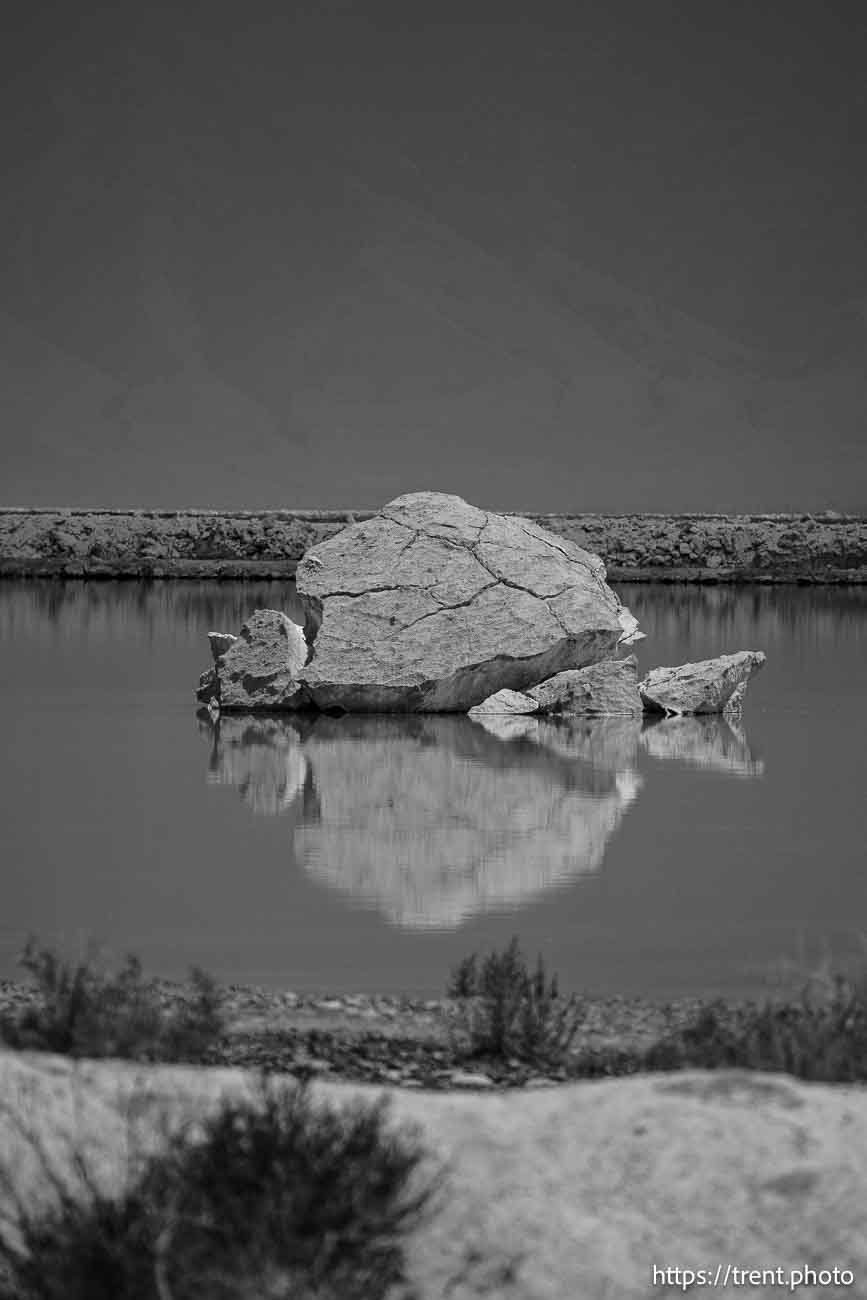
711, 686
433, 605
220, 642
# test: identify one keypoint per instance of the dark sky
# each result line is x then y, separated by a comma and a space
549, 256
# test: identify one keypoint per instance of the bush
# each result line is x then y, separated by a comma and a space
271, 1199
817, 1038
81, 1010
510, 1011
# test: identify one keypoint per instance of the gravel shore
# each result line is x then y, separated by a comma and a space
392, 1040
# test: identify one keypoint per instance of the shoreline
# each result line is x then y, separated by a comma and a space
823, 548
395, 1040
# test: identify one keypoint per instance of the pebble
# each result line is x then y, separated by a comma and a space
467, 1079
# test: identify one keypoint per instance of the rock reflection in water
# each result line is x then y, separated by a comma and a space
606, 744
708, 742
431, 819
262, 756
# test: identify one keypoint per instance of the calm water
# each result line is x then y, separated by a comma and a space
372, 853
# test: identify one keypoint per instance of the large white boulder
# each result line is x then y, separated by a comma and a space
432, 605
711, 686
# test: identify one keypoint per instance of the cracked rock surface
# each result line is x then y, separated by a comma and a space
711, 686
433, 605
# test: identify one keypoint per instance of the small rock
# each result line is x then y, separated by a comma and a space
606, 689
260, 669
710, 686
312, 1063
468, 1079
629, 624
507, 702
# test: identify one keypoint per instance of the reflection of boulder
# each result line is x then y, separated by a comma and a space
604, 744
429, 819
434, 820
709, 742
506, 726
262, 757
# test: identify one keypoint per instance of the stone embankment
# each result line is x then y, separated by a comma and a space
822, 548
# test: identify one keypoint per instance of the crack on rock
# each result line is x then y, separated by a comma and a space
446, 609
368, 591
412, 541
385, 515
425, 531
573, 559
312, 624
556, 617
499, 580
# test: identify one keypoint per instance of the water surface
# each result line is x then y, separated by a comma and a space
689, 856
